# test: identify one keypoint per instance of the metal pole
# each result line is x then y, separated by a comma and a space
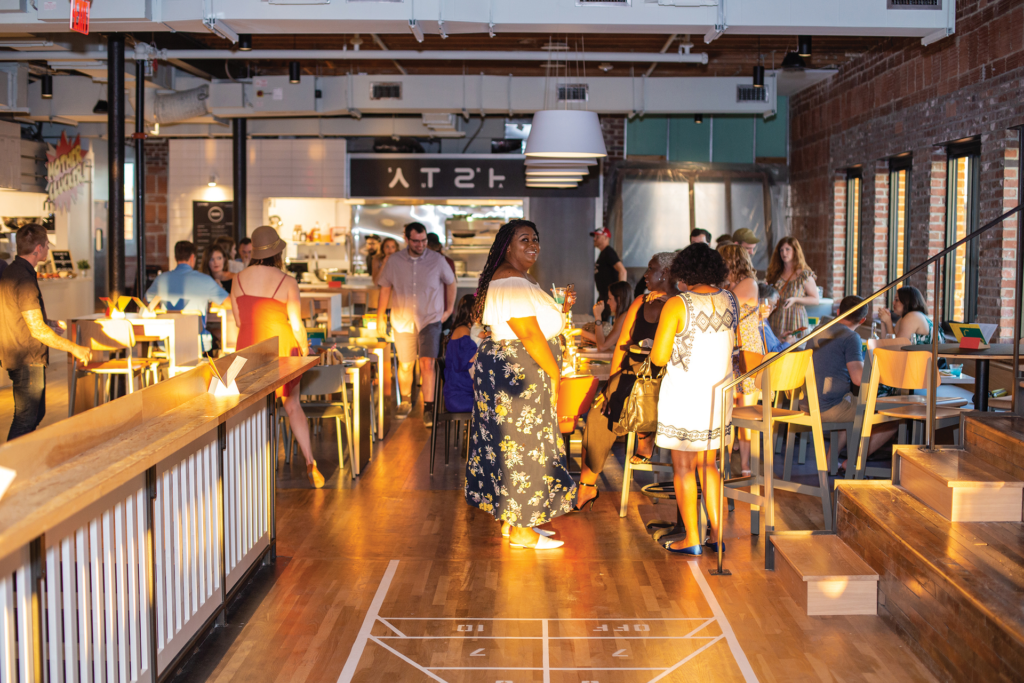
1015, 392
140, 176
239, 160
933, 387
115, 164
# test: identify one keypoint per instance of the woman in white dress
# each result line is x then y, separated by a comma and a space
695, 340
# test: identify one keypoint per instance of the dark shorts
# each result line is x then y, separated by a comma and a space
423, 343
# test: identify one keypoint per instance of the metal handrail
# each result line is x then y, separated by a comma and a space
1015, 392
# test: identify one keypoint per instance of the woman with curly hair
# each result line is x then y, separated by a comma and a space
788, 273
695, 339
516, 469
741, 281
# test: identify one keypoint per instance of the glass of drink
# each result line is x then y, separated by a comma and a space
559, 294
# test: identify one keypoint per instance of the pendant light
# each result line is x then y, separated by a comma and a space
793, 61
758, 69
803, 46
294, 72
565, 134
698, 119
47, 86
245, 42
582, 162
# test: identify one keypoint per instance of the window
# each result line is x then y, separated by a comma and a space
899, 219
853, 181
961, 292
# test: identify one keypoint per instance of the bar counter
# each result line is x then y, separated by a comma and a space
133, 523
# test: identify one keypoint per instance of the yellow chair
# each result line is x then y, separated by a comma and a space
111, 336
794, 372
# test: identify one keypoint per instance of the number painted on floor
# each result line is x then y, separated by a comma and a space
622, 629
602, 627
479, 652
469, 627
641, 627
620, 653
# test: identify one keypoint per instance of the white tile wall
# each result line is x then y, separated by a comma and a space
306, 167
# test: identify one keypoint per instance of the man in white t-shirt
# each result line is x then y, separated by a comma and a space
416, 282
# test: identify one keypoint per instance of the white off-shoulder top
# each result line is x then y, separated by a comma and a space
516, 297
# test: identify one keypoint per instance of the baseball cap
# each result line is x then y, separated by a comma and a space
745, 236
602, 231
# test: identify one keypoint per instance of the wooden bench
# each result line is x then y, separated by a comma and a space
953, 591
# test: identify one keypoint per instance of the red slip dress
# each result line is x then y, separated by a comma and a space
263, 317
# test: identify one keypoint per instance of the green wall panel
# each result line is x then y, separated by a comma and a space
688, 141
771, 134
646, 136
734, 140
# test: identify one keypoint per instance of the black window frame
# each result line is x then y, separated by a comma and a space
854, 220
901, 164
958, 150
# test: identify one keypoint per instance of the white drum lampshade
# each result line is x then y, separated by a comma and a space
538, 162
565, 134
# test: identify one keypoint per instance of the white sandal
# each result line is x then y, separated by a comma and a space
543, 543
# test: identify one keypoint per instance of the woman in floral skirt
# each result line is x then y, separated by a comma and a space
516, 469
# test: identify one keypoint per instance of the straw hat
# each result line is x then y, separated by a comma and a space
266, 242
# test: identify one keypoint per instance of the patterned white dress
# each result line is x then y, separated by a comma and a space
689, 405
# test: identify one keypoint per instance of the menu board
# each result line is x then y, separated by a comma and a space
62, 261
211, 220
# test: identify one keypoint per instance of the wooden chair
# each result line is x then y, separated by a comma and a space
654, 465
328, 381
149, 342
442, 414
793, 373
905, 370
113, 336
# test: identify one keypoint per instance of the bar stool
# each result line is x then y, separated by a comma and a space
117, 336
149, 342
441, 414
327, 381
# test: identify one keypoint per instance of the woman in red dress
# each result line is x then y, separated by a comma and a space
265, 303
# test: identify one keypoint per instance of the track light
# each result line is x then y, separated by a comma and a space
417, 32
244, 42
758, 76
213, 181
698, 119
47, 84
803, 46
100, 107
295, 74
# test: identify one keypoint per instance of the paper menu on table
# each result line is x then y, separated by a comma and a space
7, 476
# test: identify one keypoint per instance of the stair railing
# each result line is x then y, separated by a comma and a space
768, 498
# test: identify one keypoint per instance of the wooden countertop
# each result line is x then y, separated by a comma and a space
993, 352
65, 467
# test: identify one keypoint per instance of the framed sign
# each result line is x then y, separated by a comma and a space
62, 261
452, 175
211, 220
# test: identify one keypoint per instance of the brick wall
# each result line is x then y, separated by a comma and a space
904, 97
157, 249
614, 130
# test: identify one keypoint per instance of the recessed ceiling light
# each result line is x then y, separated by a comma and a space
605, 67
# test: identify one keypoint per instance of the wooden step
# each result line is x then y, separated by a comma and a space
958, 486
997, 439
953, 592
824, 576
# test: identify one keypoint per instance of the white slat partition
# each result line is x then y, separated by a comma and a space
187, 526
246, 492
16, 627
95, 595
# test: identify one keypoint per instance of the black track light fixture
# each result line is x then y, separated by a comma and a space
803, 46
793, 61
101, 107
244, 42
758, 76
698, 119
294, 72
47, 85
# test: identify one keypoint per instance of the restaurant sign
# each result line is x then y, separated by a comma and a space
451, 175
65, 171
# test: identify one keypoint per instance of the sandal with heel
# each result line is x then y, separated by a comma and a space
591, 501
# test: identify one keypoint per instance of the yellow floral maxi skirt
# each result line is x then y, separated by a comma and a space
516, 469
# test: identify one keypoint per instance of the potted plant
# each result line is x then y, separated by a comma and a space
83, 266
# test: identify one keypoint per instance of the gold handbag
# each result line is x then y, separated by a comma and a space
640, 410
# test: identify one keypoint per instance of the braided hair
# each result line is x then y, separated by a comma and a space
494, 259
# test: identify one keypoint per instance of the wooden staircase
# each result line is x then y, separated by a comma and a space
945, 544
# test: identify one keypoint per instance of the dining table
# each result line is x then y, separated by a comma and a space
981, 357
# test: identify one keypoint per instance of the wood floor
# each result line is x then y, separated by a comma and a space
396, 579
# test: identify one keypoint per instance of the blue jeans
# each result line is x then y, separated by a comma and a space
29, 399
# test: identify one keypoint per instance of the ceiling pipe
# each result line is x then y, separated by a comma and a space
361, 55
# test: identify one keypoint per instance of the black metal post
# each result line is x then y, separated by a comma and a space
140, 175
238, 164
115, 164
